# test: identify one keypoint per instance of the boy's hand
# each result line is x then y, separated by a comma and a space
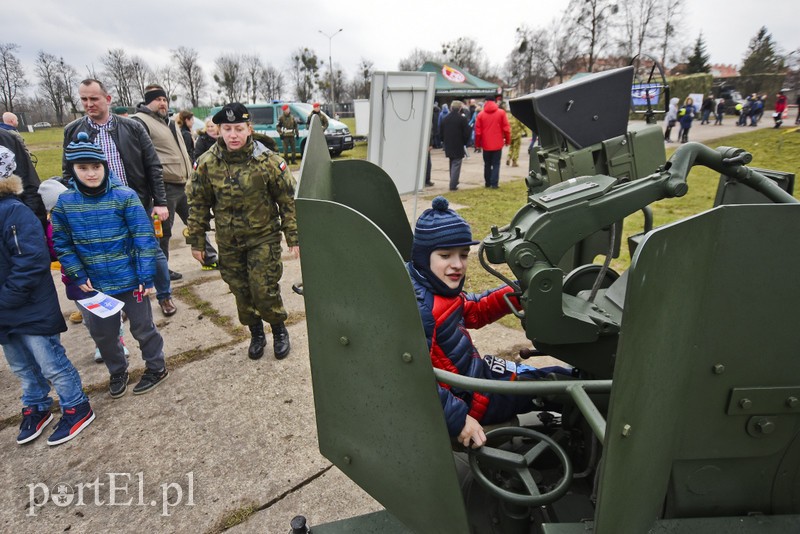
295, 252
472, 432
199, 255
145, 291
87, 287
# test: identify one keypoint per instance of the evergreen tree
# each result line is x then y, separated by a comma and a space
762, 55
698, 61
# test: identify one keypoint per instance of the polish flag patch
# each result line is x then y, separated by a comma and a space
282, 165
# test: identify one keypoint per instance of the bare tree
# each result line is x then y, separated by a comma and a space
141, 76
592, 23
12, 75
229, 77
468, 54
417, 58
305, 67
168, 79
670, 30
639, 26
361, 80
563, 52
118, 69
272, 82
253, 73
69, 82
50, 85
190, 73
527, 66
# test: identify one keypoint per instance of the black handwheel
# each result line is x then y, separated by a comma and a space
520, 465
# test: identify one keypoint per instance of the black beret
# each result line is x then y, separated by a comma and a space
231, 114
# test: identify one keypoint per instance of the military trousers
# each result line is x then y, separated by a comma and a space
253, 274
288, 144
513, 150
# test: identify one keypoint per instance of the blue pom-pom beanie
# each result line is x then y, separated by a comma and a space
438, 227
83, 150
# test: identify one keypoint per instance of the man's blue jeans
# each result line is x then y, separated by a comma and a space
37, 359
161, 279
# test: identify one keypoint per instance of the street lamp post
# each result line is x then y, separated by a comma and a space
330, 66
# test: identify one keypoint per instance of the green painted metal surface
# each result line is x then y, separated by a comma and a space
361, 185
375, 523
702, 525
379, 418
710, 307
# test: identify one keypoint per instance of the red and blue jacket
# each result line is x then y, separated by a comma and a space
446, 320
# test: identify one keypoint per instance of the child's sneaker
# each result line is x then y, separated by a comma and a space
118, 384
72, 422
98, 358
76, 317
33, 423
209, 267
150, 379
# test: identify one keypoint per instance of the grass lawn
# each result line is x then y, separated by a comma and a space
771, 149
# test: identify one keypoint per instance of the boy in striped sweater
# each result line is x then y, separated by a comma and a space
105, 242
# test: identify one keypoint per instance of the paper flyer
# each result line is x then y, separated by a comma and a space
102, 305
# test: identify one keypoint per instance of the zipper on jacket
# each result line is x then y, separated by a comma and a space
16, 241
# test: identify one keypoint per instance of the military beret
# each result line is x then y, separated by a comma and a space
231, 114
119, 110
285, 107
316, 104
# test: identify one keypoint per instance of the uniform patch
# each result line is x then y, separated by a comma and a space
282, 165
194, 166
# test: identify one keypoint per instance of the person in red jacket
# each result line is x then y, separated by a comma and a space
492, 131
780, 107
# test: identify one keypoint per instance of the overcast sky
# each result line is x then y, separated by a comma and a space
381, 31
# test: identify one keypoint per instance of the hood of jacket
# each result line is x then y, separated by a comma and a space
490, 107
11, 186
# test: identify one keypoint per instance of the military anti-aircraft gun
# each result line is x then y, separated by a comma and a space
686, 416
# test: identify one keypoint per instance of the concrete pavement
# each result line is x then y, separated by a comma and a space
224, 440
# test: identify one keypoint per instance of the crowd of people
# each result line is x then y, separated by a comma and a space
751, 109
123, 179
485, 128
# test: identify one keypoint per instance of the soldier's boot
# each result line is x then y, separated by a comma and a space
280, 341
258, 340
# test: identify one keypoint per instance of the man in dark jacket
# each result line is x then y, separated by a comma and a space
132, 158
455, 133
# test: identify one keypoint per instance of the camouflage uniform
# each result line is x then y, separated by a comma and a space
517, 133
322, 118
287, 129
251, 192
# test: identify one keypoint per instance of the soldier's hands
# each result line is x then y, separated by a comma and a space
199, 255
162, 212
295, 252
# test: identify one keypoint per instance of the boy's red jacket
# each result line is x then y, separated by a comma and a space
445, 320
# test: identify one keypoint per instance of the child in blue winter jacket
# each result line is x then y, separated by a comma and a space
31, 322
105, 242
438, 269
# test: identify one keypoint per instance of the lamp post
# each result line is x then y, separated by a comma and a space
330, 66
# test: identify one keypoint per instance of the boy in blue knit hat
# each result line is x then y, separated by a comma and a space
31, 322
105, 242
438, 268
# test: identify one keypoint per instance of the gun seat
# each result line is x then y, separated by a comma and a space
379, 418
